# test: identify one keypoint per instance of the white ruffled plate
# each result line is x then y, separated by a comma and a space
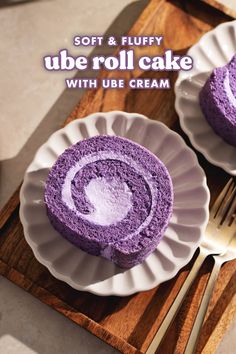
214, 49
95, 274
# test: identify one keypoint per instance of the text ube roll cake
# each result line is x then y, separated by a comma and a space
110, 197
218, 101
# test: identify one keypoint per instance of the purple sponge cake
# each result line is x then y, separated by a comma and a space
110, 197
218, 101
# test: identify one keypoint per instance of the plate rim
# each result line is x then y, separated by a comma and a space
131, 290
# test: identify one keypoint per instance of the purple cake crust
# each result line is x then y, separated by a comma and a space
110, 197
218, 102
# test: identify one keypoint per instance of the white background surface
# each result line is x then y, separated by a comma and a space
33, 104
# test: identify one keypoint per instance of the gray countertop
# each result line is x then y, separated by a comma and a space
33, 104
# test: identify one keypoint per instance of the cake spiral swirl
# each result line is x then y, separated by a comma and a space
218, 101
110, 197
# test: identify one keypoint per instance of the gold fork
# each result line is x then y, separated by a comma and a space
228, 255
218, 235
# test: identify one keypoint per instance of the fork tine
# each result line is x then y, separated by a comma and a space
218, 202
231, 213
224, 207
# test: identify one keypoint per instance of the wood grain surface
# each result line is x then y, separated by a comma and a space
130, 323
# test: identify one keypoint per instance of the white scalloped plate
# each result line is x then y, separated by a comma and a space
95, 274
214, 49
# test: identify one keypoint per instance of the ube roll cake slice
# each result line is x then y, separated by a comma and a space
218, 101
111, 198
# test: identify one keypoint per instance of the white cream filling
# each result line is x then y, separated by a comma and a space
94, 216
228, 90
111, 200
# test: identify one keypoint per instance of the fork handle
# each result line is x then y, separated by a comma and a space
174, 309
194, 335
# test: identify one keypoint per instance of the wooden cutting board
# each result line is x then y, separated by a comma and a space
130, 323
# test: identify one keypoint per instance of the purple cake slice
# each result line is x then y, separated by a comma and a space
218, 101
111, 198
